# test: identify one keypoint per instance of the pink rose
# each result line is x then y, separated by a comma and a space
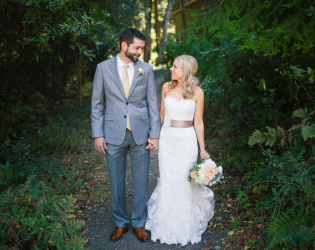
193, 175
211, 172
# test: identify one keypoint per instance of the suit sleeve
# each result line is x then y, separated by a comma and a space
97, 105
153, 107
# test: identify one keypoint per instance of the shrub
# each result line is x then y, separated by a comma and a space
54, 137
34, 216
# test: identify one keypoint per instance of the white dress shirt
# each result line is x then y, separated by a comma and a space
130, 69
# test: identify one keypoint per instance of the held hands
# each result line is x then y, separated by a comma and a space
204, 154
153, 144
99, 145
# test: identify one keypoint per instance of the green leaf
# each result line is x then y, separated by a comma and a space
308, 132
310, 71
204, 52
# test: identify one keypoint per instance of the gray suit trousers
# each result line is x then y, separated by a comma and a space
116, 161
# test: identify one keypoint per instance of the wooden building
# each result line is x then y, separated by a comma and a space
182, 18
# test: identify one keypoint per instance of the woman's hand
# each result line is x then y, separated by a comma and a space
204, 154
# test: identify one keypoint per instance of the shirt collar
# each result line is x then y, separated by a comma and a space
121, 64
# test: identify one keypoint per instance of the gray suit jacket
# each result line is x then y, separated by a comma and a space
141, 105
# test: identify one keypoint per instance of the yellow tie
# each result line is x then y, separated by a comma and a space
126, 85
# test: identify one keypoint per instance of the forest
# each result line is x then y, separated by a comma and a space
256, 67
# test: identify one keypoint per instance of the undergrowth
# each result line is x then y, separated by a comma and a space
38, 189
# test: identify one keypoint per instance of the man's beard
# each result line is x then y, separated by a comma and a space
130, 56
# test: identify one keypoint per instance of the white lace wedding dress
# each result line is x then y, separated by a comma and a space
178, 211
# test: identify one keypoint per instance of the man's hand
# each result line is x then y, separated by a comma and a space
153, 144
100, 144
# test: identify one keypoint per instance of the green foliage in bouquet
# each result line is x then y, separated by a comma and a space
205, 172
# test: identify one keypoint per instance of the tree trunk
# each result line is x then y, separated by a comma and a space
157, 26
53, 76
166, 23
46, 74
183, 16
65, 65
26, 64
79, 80
147, 48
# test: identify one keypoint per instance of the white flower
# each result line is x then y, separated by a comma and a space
200, 181
220, 169
202, 166
210, 163
167, 122
202, 173
203, 176
140, 71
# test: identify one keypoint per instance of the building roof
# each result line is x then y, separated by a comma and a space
186, 5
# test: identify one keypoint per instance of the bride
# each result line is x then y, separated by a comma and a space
179, 211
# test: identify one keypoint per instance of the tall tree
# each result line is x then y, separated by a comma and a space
79, 98
46, 74
183, 16
147, 48
157, 26
166, 23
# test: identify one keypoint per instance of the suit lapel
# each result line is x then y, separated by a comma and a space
113, 67
134, 80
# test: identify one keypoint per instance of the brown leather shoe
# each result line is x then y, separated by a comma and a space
118, 233
142, 235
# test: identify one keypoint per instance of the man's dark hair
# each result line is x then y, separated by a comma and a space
129, 34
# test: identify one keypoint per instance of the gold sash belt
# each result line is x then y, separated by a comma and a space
181, 124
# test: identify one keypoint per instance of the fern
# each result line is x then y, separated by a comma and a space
295, 127
279, 134
308, 132
284, 225
309, 189
256, 137
270, 137
302, 113
280, 228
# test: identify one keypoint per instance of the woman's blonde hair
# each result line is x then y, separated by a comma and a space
190, 67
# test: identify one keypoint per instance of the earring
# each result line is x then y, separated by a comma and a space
179, 75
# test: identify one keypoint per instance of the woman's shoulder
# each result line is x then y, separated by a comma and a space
165, 85
198, 92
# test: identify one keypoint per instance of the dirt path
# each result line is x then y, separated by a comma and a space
100, 224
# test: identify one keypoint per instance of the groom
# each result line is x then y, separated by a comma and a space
127, 87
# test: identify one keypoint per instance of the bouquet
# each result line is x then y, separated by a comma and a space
206, 172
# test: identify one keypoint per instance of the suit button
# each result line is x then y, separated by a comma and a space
127, 103
125, 116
